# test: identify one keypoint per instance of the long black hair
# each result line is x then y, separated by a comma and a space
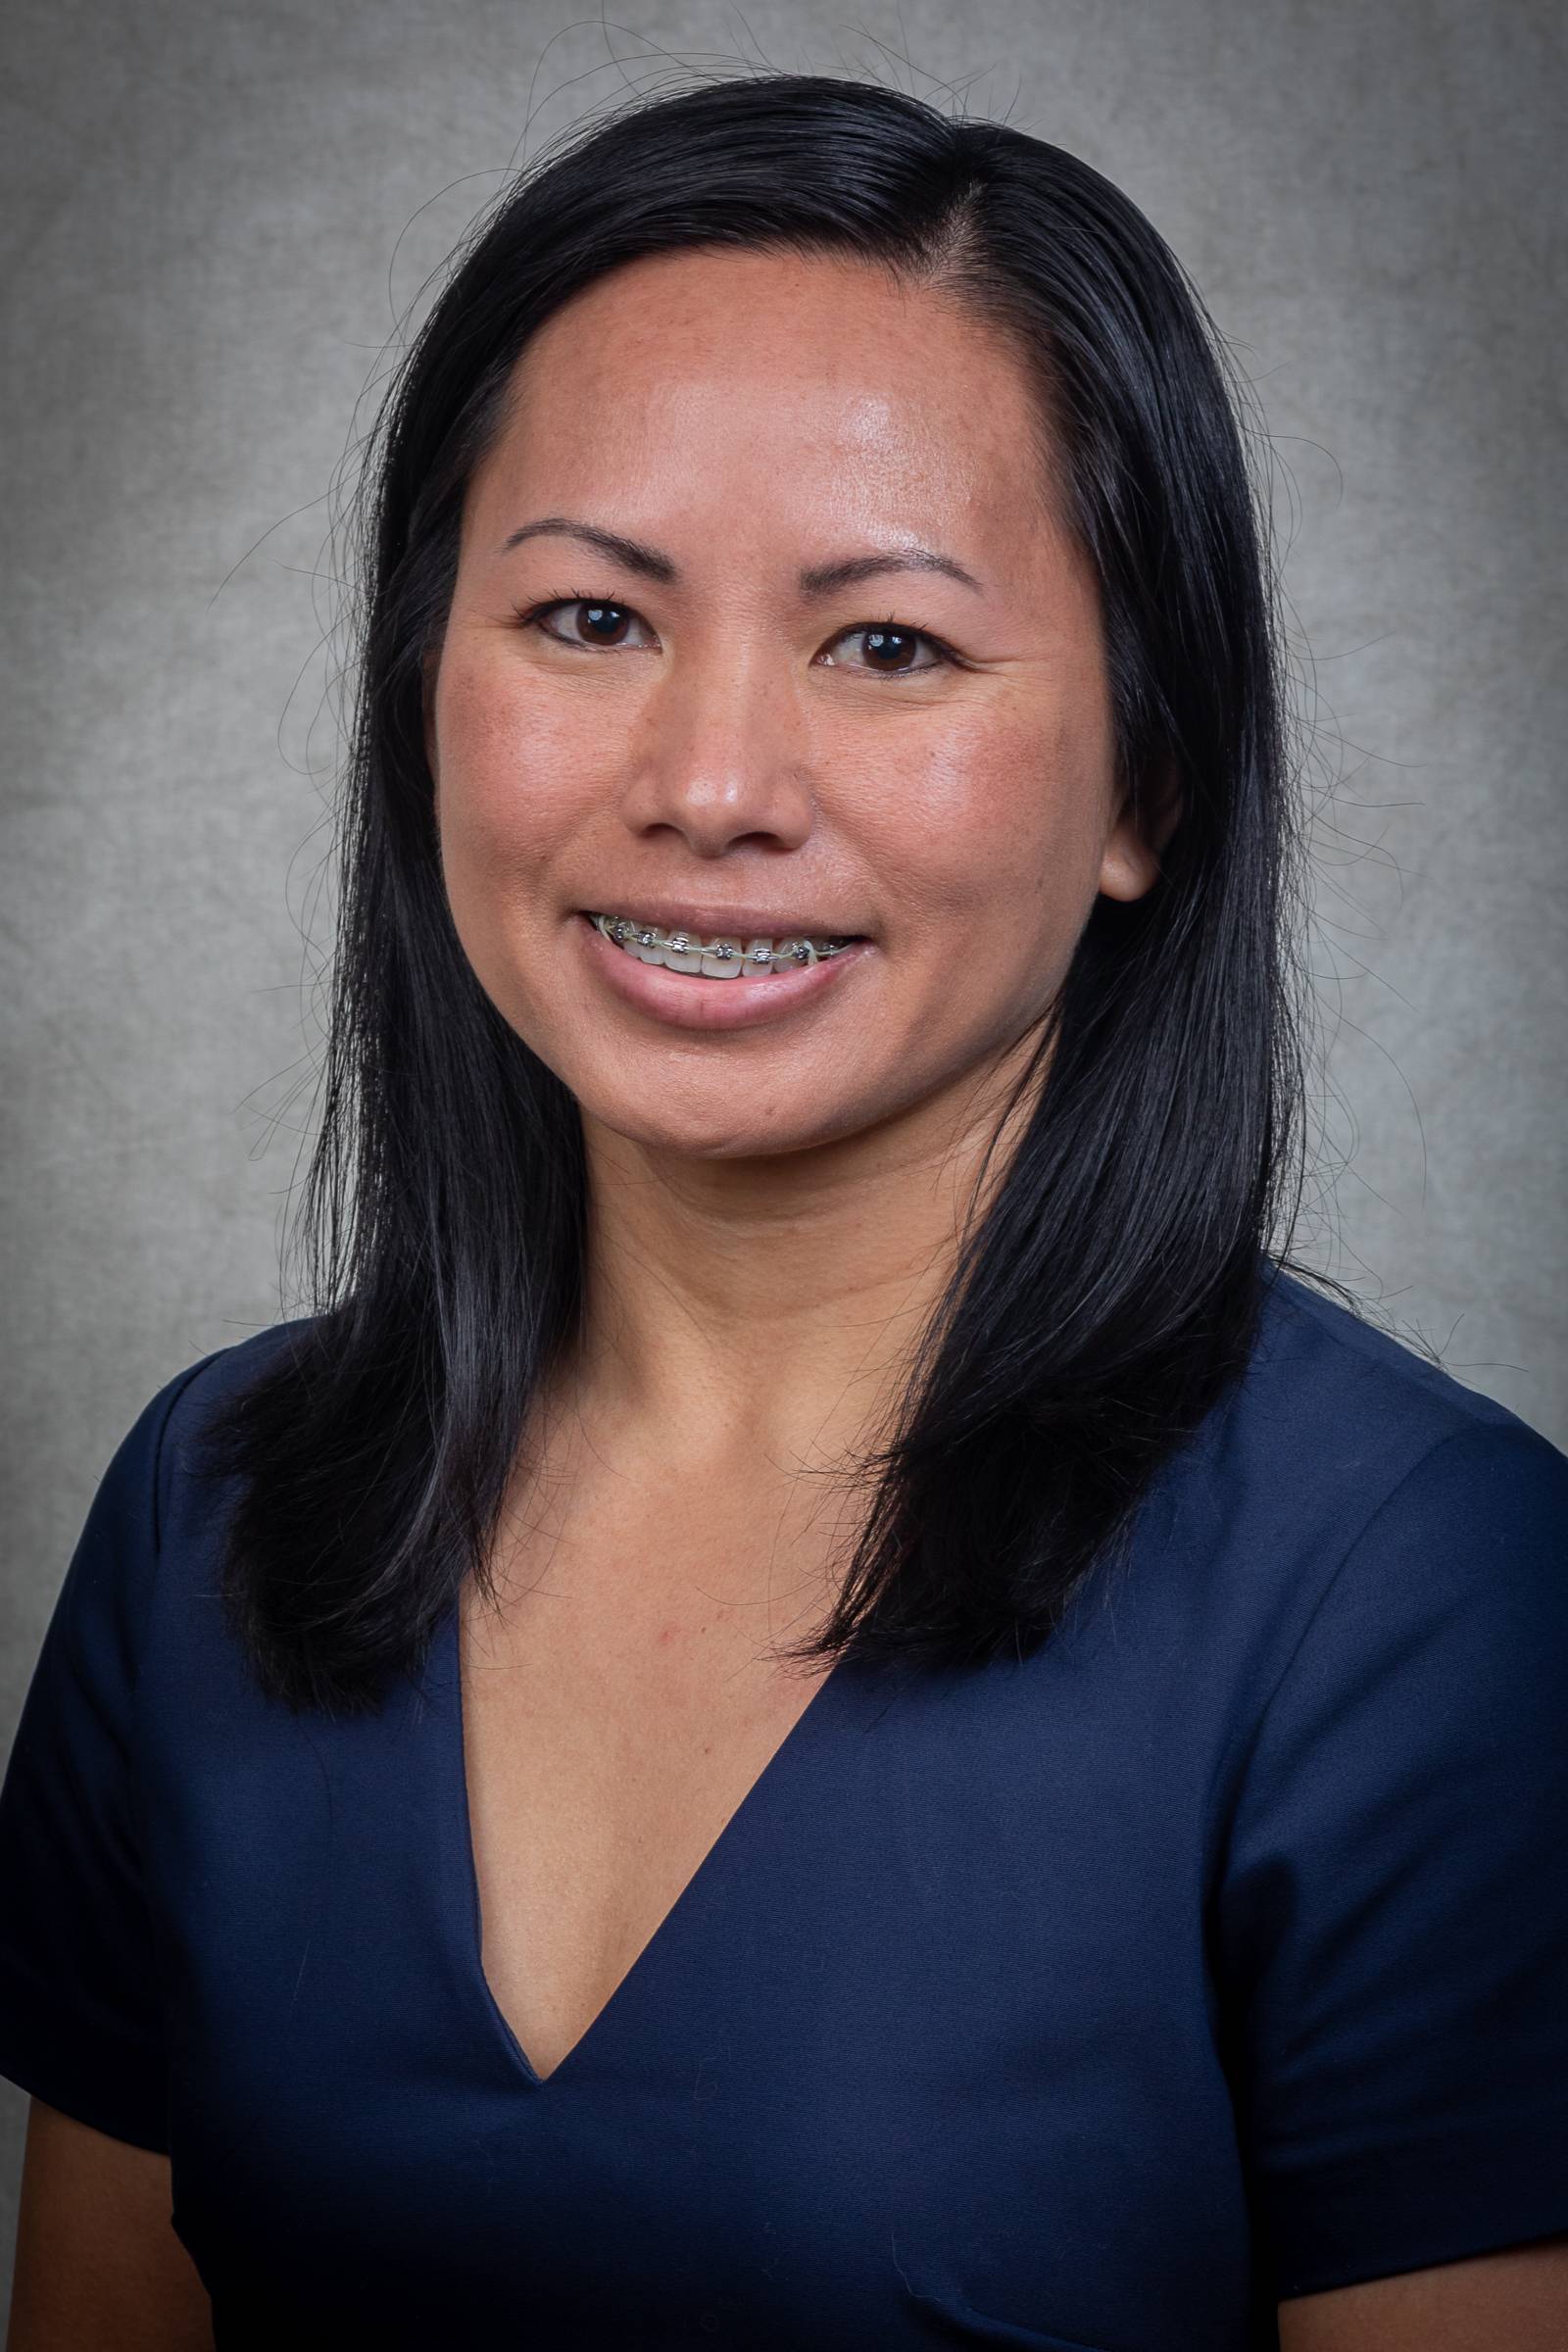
1111, 1291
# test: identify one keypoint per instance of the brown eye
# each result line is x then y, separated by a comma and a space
888, 651
583, 621
602, 625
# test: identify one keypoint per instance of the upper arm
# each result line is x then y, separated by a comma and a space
82, 2026
1518, 2297
81, 2011
99, 2268
1393, 1916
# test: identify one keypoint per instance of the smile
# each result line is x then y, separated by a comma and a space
725, 957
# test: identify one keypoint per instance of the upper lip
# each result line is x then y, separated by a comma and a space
719, 923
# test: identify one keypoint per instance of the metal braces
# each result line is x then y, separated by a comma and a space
802, 952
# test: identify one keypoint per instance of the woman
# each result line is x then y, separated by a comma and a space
819, 1705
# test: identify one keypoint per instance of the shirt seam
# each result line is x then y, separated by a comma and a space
1233, 1766
156, 1512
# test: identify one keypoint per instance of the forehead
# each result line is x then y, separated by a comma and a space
816, 391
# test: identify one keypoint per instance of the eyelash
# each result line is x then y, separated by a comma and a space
533, 615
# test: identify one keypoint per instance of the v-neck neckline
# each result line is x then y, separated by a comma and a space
721, 1853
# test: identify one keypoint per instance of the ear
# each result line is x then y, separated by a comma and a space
1130, 866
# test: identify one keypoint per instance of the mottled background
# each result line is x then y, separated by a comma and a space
214, 216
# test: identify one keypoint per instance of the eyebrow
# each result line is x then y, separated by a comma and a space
817, 580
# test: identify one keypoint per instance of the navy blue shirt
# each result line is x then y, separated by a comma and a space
1216, 1953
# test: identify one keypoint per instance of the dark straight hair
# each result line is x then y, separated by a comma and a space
1111, 1290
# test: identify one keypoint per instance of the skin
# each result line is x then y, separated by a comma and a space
772, 1211
99, 2268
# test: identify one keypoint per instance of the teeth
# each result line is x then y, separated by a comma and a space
726, 957
681, 953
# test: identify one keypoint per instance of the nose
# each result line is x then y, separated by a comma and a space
721, 755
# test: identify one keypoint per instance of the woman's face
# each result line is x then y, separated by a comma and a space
844, 678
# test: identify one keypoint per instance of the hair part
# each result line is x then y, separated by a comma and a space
1109, 1295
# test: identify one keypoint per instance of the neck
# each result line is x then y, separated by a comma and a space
767, 1309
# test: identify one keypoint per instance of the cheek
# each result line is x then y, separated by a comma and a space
512, 781
513, 768
998, 826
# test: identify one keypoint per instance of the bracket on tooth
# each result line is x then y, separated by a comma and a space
623, 931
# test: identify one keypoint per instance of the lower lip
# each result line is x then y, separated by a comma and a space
689, 1000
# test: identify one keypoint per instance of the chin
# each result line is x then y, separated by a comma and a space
722, 1137
724, 1129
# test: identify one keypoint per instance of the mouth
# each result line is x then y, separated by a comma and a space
715, 953
802, 971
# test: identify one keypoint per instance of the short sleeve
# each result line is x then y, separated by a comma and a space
80, 2016
1393, 1909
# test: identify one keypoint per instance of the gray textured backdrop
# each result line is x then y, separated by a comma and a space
200, 208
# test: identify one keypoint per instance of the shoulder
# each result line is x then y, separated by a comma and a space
189, 1398
133, 1519
187, 1405
1337, 1430
1346, 1500
1362, 1390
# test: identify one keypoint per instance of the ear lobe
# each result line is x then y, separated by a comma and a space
1130, 866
